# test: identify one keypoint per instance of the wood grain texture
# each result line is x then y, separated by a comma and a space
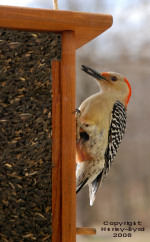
86, 26
56, 153
85, 231
68, 137
63, 143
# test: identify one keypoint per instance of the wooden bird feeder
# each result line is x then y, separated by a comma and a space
36, 185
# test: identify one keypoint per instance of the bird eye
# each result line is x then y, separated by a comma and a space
114, 78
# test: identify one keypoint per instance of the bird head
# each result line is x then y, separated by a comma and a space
111, 82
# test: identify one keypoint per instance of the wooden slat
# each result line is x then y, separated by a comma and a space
86, 26
85, 231
56, 153
68, 137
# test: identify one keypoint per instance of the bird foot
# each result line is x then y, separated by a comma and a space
78, 123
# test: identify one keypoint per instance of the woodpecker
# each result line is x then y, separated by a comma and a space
101, 122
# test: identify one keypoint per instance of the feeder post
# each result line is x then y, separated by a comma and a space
68, 137
63, 148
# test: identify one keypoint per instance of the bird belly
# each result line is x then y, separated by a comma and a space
92, 149
82, 153
88, 170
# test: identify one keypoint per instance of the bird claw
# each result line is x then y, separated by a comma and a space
77, 113
78, 124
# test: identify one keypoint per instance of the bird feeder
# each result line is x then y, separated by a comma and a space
37, 121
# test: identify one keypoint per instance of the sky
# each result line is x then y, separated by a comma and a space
15, 2
89, 6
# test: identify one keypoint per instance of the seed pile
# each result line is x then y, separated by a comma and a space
26, 134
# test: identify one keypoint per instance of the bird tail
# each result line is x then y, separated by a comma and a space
80, 186
93, 188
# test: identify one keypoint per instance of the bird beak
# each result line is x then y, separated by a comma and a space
92, 72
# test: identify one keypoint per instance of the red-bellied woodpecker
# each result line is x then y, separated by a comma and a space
101, 123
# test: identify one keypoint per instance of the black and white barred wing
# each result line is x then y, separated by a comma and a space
115, 135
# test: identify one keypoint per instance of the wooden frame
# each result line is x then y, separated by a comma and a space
64, 195
86, 26
77, 29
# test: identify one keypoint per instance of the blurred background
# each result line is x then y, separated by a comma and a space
124, 48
